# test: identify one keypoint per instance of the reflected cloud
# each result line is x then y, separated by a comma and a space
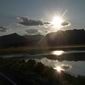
66, 66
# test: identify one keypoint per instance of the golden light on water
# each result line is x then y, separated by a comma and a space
57, 22
62, 67
58, 52
59, 69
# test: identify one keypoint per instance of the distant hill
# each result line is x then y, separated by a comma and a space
15, 40
54, 39
64, 38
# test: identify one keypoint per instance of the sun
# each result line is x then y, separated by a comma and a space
56, 22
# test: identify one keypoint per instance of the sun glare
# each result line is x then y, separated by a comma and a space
57, 22
58, 52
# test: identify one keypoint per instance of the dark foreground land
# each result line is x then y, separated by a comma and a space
21, 72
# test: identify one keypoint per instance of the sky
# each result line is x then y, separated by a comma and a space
40, 10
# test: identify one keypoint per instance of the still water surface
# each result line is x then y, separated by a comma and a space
72, 67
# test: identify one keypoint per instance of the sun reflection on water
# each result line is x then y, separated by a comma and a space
62, 68
59, 69
58, 52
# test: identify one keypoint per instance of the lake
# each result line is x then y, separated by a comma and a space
73, 67
68, 65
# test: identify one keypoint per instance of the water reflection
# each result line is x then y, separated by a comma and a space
58, 52
61, 52
59, 69
66, 66
62, 67
73, 67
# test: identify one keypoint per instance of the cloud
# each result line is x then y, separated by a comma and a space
29, 22
42, 27
65, 24
3, 29
32, 31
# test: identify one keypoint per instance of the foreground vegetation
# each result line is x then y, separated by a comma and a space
23, 72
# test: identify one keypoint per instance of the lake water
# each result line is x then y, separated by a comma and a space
72, 67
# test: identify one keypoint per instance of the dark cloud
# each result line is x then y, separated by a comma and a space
3, 29
29, 22
32, 31
65, 24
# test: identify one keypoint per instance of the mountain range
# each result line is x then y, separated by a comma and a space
59, 38
15, 40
